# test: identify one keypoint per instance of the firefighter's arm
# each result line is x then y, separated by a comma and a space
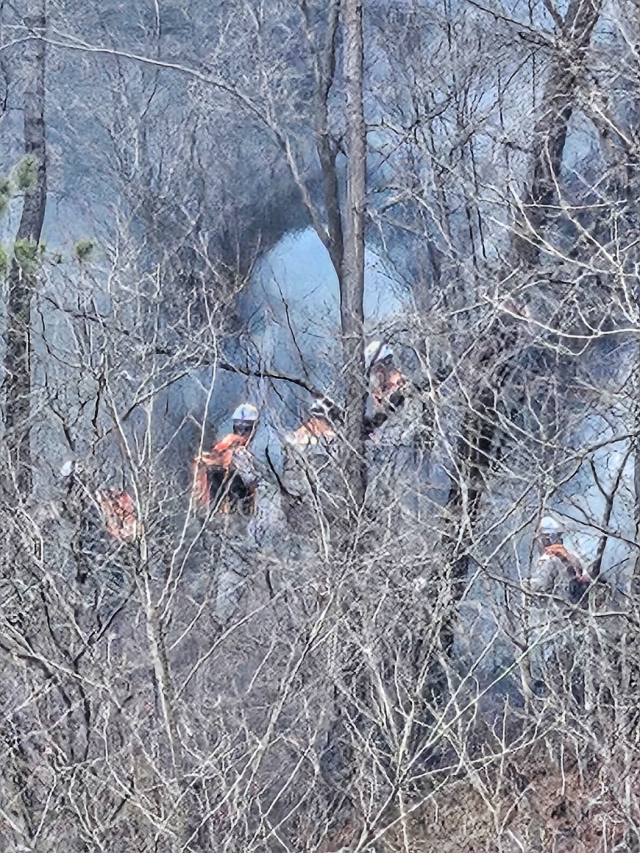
221, 454
397, 390
573, 564
582, 575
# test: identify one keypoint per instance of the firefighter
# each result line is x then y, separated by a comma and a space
556, 634
312, 479
318, 428
116, 505
395, 424
557, 571
387, 385
101, 528
225, 477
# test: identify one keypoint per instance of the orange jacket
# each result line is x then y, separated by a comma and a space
220, 456
312, 432
119, 513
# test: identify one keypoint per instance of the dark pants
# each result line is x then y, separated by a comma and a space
229, 491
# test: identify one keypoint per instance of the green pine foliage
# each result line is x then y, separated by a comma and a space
5, 193
84, 249
26, 173
27, 254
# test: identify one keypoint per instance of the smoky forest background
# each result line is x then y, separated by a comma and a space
205, 204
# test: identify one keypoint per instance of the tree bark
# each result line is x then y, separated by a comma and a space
351, 276
23, 276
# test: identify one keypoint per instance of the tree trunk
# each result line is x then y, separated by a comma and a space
550, 131
23, 272
352, 273
474, 454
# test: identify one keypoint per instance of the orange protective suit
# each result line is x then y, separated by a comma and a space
221, 458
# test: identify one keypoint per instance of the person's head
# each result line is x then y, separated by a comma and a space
244, 419
378, 353
550, 532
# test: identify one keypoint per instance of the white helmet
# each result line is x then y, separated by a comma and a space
550, 527
376, 351
245, 412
